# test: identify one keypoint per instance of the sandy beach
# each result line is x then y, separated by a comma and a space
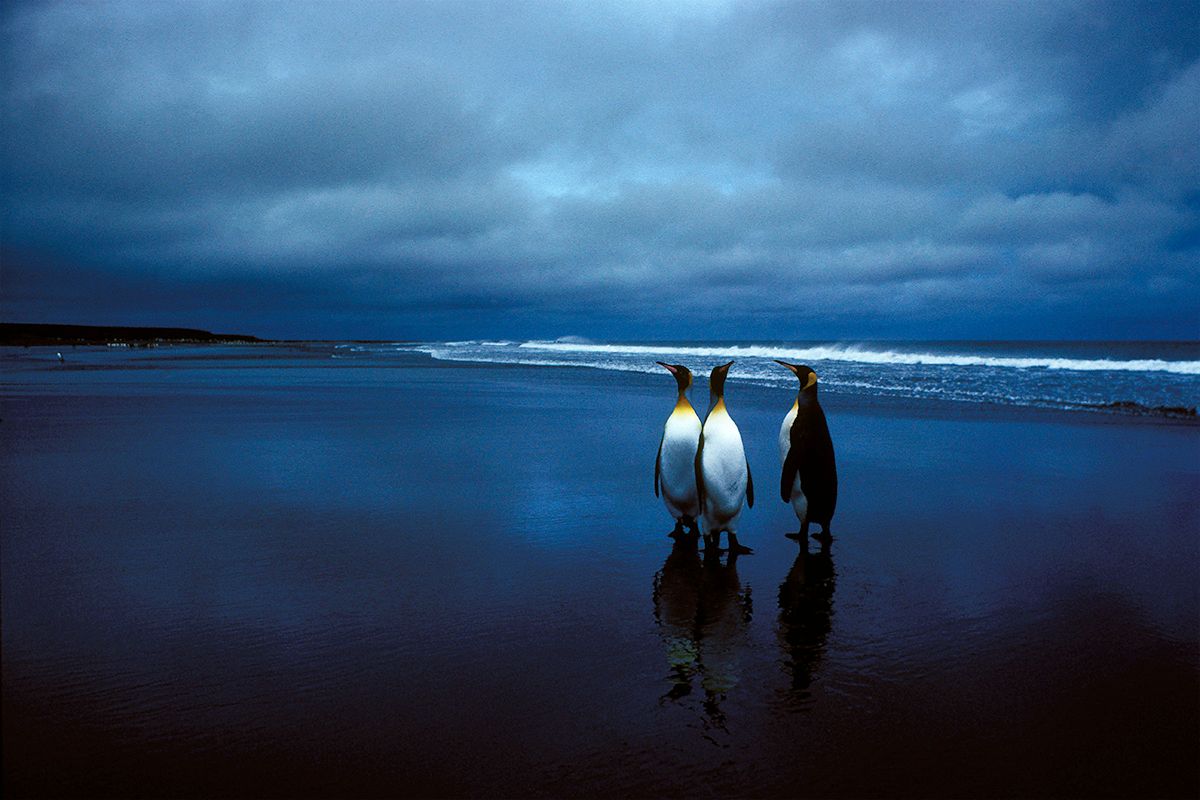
262, 571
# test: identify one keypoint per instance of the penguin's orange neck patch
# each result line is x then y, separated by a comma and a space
682, 406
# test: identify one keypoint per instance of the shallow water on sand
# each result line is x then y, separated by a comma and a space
264, 571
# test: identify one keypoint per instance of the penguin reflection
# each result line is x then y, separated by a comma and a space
703, 610
805, 614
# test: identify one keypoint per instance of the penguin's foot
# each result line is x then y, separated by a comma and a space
736, 548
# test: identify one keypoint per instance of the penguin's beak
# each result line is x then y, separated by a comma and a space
725, 367
669, 368
792, 367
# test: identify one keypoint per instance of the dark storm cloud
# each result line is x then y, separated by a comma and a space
620, 169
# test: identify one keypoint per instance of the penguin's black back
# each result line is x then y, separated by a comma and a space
811, 456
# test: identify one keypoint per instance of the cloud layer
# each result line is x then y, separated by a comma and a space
617, 169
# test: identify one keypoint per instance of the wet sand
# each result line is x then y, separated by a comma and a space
262, 572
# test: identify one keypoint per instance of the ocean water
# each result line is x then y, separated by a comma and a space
347, 569
1149, 378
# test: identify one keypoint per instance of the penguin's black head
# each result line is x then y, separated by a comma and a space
716, 379
683, 375
808, 378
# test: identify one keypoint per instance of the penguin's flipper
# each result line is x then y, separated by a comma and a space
700, 472
799, 447
786, 480
749, 487
658, 464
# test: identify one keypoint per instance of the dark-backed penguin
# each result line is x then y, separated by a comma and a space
675, 466
722, 472
809, 478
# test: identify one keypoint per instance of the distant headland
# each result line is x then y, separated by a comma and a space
28, 334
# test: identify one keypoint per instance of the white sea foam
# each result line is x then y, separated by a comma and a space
1154, 386
867, 356
455, 354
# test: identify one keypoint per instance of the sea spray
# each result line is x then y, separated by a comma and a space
1136, 378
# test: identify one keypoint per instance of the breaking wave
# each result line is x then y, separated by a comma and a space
864, 356
1138, 379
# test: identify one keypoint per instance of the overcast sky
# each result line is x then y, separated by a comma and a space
670, 169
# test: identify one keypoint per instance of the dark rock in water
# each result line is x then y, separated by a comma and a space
1177, 411
1163, 411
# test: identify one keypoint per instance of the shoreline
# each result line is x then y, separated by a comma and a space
837, 398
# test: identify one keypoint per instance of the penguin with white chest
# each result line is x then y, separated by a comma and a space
722, 472
809, 478
674, 468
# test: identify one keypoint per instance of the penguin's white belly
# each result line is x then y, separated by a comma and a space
785, 435
677, 465
723, 464
799, 501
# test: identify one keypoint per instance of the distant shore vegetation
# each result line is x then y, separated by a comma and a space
31, 334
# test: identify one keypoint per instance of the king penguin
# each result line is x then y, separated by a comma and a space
809, 478
722, 472
674, 468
